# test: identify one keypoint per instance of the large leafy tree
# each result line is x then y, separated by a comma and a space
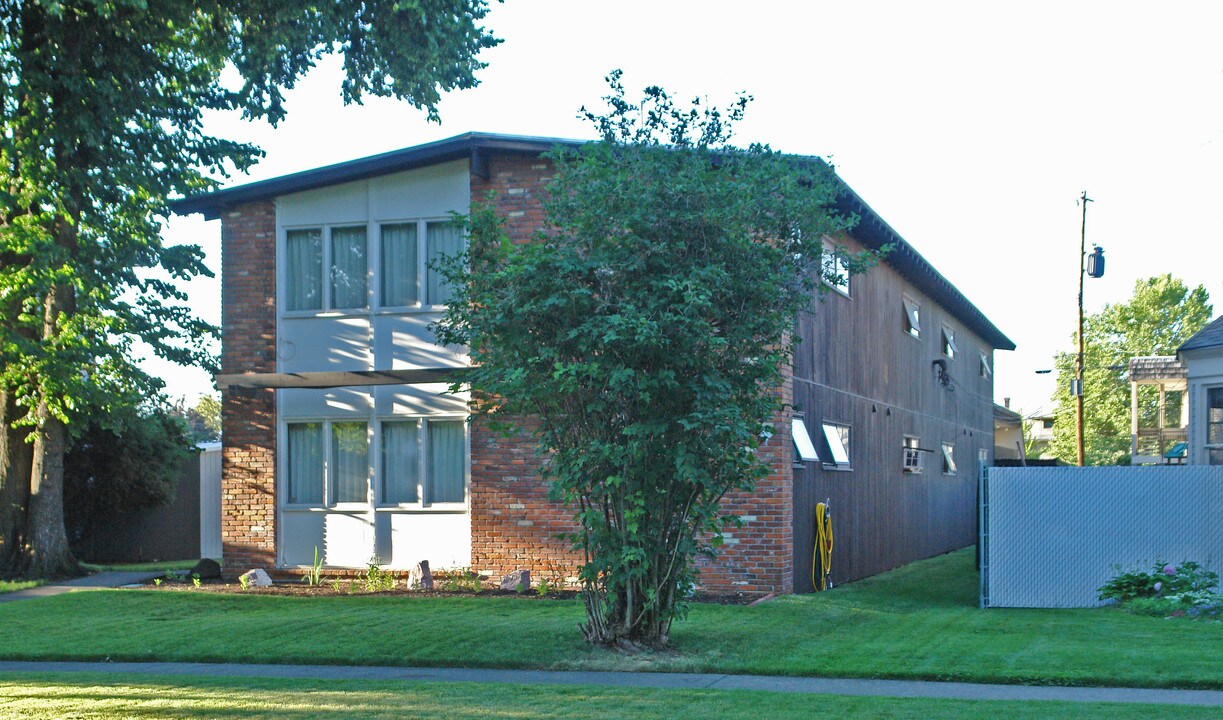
1161, 315
102, 104
643, 332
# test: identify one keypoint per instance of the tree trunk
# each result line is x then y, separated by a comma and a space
15, 458
47, 551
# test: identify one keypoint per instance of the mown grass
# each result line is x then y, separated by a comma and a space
918, 622
106, 696
142, 566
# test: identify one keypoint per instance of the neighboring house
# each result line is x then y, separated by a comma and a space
1008, 434
1202, 356
1040, 429
338, 437
1158, 411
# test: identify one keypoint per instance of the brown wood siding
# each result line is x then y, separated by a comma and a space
856, 365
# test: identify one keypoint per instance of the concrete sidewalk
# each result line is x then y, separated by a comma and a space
97, 581
674, 681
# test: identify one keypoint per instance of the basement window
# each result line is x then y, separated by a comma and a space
837, 436
803, 447
912, 318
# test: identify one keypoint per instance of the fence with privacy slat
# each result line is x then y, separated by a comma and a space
1051, 536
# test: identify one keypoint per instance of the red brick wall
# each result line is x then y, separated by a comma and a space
248, 417
515, 525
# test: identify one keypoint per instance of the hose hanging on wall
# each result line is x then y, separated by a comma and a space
821, 556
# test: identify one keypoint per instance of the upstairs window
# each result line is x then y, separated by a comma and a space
341, 266
409, 277
949, 348
948, 459
834, 268
837, 436
912, 318
912, 455
986, 371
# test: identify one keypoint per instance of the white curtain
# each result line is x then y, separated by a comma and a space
447, 461
304, 273
349, 269
400, 462
350, 463
305, 464
442, 240
399, 271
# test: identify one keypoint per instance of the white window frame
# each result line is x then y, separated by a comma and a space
328, 464
833, 258
326, 307
911, 461
838, 451
912, 317
986, 371
422, 503
949, 348
804, 449
422, 263
949, 466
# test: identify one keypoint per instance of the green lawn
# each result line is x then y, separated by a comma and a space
919, 622
105, 696
142, 566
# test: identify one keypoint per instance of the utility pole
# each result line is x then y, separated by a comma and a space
1079, 365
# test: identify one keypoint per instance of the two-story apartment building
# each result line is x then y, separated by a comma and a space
338, 436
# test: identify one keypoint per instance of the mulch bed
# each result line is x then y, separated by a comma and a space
355, 588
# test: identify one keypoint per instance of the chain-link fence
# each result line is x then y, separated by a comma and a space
1051, 536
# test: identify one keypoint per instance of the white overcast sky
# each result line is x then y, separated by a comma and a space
970, 127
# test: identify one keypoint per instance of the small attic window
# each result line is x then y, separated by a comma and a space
912, 319
948, 459
802, 441
986, 370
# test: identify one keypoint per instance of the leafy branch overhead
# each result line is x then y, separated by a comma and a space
645, 328
103, 122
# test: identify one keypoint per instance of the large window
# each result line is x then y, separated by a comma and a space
341, 265
328, 268
422, 463
1214, 426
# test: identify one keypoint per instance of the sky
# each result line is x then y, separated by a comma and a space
970, 127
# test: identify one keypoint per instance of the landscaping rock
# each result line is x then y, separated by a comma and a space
256, 578
206, 569
518, 581
419, 577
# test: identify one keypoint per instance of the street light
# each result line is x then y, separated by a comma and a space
1092, 265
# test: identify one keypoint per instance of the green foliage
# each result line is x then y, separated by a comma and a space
245, 581
129, 458
462, 580
1161, 315
376, 579
102, 122
1184, 590
314, 576
203, 420
645, 328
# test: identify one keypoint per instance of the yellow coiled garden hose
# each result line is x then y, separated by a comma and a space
821, 561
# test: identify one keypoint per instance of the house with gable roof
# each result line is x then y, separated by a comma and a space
338, 436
